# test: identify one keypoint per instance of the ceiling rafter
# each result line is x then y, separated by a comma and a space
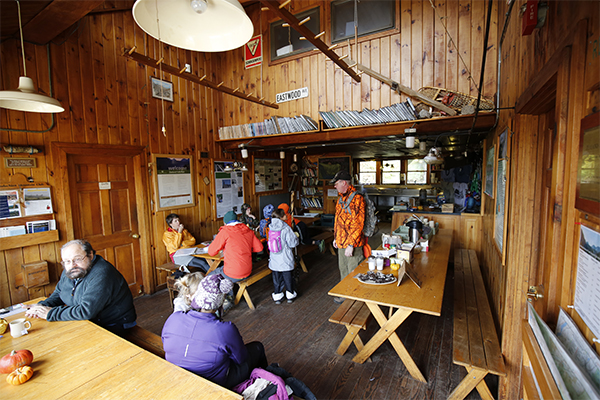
288, 17
150, 62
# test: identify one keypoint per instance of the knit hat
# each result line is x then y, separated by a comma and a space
229, 216
285, 207
210, 294
268, 210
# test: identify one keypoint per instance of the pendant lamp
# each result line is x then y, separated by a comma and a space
433, 157
200, 25
26, 98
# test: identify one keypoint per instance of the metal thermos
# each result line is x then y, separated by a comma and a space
414, 233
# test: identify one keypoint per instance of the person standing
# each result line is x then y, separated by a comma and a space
90, 288
177, 237
348, 225
281, 241
199, 341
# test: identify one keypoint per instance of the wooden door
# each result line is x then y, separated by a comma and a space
103, 208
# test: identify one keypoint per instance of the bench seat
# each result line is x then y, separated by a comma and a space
475, 341
354, 315
259, 271
146, 340
307, 248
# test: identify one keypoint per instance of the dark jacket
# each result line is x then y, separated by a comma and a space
203, 344
102, 296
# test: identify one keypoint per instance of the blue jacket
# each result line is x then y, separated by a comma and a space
203, 344
284, 260
102, 296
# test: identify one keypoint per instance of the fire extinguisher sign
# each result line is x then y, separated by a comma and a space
253, 52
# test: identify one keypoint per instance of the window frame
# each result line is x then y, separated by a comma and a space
366, 36
298, 53
403, 171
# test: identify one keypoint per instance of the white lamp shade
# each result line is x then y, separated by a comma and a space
410, 142
282, 154
25, 98
422, 146
244, 153
223, 26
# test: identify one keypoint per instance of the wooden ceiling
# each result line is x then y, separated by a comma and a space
45, 21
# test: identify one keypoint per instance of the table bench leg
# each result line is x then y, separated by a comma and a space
474, 379
332, 249
387, 331
212, 265
303, 265
243, 291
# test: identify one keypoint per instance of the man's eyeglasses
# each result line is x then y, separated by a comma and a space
76, 260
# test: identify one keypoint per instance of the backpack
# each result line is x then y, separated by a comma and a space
370, 225
274, 241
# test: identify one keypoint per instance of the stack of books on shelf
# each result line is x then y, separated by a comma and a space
394, 113
311, 202
272, 126
310, 191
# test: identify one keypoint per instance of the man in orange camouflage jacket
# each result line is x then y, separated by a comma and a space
348, 226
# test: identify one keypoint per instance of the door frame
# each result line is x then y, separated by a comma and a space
140, 160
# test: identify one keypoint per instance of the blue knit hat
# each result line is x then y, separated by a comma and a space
229, 216
268, 210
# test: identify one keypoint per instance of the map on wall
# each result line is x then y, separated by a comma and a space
267, 175
229, 189
587, 287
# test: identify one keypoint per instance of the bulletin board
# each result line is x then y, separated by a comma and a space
229, 189
173, 181
267, 175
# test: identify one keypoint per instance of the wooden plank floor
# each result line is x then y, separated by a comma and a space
300, 338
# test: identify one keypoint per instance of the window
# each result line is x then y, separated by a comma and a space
373, 16
367, 172
285, 41
416, 172
390, 172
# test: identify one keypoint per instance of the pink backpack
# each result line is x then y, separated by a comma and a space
274, 241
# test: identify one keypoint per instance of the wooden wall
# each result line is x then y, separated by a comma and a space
108, 101
566, 39
418, 53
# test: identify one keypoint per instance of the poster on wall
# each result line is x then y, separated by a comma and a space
173, 183
9, 204
587, 287
37, 201
489, 172
267, 175
229, 188
500, 202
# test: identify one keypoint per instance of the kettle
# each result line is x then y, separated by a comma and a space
415, 228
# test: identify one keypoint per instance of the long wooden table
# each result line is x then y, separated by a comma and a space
431, 268
80, 360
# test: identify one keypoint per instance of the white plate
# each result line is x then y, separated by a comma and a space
376, 283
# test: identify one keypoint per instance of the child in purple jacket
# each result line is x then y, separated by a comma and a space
200, 342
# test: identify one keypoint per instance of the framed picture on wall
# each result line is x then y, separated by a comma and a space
162, 89
588, 169
173, 181
330, 166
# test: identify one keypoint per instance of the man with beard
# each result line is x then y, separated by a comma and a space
89, 288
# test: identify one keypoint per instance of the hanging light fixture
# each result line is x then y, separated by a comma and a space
410, 137
434, 156
26, 98
200, 25
422, 145
282, 154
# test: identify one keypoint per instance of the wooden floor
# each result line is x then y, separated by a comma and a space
300, 338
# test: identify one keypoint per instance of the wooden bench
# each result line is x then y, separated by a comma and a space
475, 342
146, 340
259, 271
354, 315
307, 248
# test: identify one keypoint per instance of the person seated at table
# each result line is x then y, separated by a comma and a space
248, 218
202, 343
177, 237
238, 242
301, 228
186, 286
263, 229
90, 288
281, 261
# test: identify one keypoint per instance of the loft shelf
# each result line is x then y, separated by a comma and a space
425, 127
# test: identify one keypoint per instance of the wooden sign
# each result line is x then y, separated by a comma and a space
20, 162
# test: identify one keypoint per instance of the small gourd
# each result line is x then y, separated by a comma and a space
19, 375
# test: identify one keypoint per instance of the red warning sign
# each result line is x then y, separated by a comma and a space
253, 52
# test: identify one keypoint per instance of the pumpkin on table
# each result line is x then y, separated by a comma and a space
19, 375
14, 360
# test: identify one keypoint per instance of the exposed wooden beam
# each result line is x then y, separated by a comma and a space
56, 18
150, 62
288, 17
403, 89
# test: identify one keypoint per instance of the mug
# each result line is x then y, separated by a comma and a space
18, 327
